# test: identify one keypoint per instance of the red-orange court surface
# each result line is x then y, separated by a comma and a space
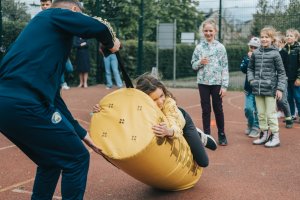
238, 171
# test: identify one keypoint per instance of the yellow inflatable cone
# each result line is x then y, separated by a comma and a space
123, 130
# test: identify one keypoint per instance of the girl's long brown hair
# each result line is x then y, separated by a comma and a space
149, 84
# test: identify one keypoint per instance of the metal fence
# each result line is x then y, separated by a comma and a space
239, 20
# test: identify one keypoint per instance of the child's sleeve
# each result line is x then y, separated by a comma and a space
174, 116
244, 64
225, 73
196, 58
281, 75
251, 68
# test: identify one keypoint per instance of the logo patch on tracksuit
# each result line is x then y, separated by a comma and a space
56, 118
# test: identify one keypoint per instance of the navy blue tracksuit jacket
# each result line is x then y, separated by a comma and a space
32, 113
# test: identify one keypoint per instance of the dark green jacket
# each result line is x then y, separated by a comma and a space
293, 61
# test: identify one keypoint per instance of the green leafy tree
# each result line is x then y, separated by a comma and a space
124, 15
188, 18
279, 14
14, 11
15, 18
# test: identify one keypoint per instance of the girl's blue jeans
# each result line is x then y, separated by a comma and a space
251, 111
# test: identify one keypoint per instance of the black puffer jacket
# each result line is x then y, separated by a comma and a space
293, 61
266, 72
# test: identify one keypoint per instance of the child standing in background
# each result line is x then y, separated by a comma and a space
292, 47
45, 4
283, 103
250, 105
210, 60
267, 78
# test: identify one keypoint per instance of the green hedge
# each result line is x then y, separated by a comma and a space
235, 55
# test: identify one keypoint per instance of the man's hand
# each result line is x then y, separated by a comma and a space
88, 141
116, 46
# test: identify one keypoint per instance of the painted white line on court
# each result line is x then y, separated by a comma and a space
7, 147
229, 101
16, 185
192, 106
28, 192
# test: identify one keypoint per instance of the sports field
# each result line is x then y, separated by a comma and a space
238, 171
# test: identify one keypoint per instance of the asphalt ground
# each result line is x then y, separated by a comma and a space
238, 171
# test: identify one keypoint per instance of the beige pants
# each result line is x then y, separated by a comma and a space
266, 109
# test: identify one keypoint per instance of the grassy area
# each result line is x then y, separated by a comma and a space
236, 81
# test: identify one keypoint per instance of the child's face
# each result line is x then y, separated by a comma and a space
209, 32
278, 43
290, 38
252, 48
265, 40
158, 96
45, 5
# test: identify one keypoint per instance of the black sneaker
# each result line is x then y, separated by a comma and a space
289, 123
207, 140
222, 139
294, 118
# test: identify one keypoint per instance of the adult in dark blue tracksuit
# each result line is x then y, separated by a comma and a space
32, 113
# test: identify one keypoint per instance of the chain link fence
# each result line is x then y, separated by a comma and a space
241, 20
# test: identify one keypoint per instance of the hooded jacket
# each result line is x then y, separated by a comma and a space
266, 72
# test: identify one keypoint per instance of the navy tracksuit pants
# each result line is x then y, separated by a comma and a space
53, 145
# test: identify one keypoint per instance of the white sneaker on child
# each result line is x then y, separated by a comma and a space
65, 86
207, 140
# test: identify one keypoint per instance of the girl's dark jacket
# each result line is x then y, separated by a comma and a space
266, 72
293, 61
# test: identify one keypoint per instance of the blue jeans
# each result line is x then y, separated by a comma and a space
251, 111
69, 69
293, 97
111, 65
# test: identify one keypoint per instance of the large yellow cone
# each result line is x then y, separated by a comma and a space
122, 129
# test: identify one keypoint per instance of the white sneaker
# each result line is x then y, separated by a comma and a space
207, 140
65, 86
263, 138
247, 131
273, 140
254, 133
